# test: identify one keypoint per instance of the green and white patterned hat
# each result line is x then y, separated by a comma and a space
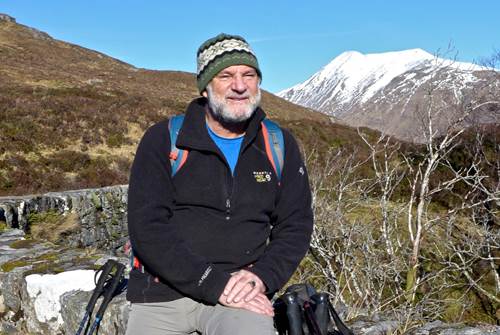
222, 51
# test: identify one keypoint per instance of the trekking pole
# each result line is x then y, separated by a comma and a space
109, 293
105, 271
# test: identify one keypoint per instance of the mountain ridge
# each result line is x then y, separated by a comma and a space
352, 85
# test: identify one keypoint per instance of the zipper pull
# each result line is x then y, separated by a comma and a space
228, 209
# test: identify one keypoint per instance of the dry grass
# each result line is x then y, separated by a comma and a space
53, 227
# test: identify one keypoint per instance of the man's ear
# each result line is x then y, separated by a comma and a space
204, 93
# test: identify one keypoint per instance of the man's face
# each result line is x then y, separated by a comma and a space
234, 93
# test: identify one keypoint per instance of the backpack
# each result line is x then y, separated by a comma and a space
303, 311
275, 151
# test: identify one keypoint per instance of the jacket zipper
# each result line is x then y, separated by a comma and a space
230, 190
231, 181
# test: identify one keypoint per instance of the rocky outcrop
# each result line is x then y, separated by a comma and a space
44, 287
7, 18
37, 34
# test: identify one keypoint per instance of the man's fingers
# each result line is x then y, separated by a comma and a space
260, 304
250, 295
248, 292
263, 307
243, 285
257, 289
240, 287
231, 282
264, 301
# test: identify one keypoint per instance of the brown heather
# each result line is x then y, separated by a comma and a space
71, 117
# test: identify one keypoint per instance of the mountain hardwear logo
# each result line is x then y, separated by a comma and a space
262, 176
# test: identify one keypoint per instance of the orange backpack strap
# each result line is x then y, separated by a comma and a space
177, 156
275, 145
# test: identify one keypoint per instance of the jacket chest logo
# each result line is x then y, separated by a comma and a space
262, 176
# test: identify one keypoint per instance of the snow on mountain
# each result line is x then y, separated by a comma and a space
354, 75
352, 83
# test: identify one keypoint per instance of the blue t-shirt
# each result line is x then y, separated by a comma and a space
230, 147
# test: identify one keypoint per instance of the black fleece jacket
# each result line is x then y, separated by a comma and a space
192, 230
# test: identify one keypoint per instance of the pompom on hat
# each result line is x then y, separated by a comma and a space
220, 52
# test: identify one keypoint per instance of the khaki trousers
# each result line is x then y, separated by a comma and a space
186, 316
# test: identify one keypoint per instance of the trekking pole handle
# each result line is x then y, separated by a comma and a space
105, 271
109, 292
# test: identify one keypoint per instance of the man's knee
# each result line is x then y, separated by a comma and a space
160, 318
241, 322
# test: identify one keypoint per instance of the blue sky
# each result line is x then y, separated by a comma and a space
292, 39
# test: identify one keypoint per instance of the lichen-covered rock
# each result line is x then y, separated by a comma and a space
373, 326
441, 328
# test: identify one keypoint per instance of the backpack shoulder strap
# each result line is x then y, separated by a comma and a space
177, 156
275, 145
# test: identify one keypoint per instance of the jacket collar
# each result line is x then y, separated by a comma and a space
194, 135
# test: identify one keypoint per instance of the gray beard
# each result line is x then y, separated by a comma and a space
220, 110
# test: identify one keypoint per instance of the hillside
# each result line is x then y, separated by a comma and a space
72, 117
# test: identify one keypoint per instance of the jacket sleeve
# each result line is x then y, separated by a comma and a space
156, 242
292, 221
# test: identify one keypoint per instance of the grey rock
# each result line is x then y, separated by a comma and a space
369, 326
114, 320
441, 328
11, 285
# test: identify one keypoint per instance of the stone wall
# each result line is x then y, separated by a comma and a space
101, 214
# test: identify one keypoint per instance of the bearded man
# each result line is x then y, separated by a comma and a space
215, 240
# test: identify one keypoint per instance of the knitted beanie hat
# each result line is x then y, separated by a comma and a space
220, 52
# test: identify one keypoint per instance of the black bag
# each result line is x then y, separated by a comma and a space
303, 311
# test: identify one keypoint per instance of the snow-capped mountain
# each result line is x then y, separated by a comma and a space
386, 91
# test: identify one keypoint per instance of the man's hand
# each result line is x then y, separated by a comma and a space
260, 304
243, 286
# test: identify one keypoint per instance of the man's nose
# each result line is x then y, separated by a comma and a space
238, 84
